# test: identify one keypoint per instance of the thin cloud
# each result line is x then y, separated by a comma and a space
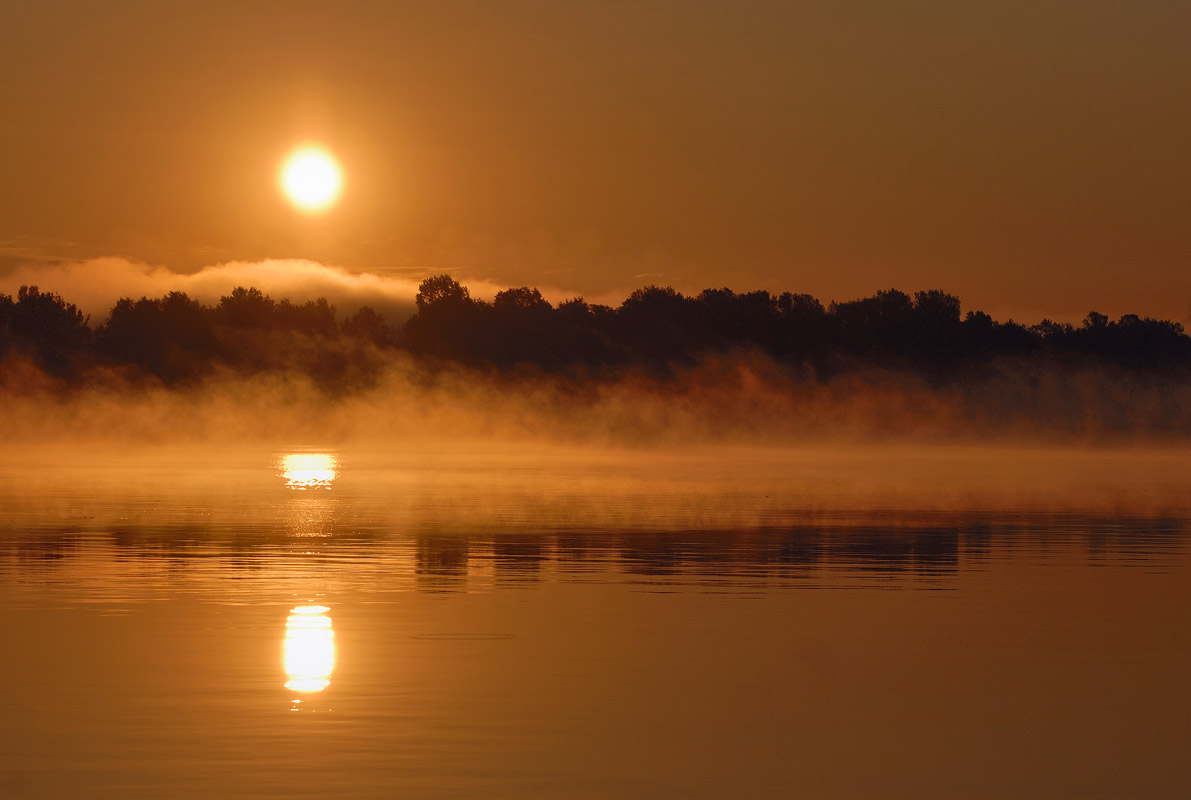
96, 284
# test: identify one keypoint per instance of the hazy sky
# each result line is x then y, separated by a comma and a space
1032, 157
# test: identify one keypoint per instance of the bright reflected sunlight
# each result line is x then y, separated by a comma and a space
309, 470
309, 649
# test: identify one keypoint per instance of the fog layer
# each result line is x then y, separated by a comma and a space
662, 369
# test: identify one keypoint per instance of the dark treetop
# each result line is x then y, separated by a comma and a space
656, 331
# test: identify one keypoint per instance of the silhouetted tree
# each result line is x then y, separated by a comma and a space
522, 329
936, 341
1149, 343
314, 317
447, 323
803, 327
583, 332
439, 289
520, 299
656, 328
655, 325
7, 309
1130, 342
51, 331
171, 337
245, 308
367, 324
880, 327
728, 319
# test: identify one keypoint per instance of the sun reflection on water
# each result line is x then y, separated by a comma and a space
309, 649
309, 470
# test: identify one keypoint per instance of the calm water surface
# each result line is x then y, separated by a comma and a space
476, 622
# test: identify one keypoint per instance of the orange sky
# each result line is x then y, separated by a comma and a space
1031, 157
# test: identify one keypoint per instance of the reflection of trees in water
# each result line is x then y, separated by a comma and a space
519, 556
40, 545
443, 560
928, 551
441, 554
182, 548
794, 552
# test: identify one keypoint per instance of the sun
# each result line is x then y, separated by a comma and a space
311, 179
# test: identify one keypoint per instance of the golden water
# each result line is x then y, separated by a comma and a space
556, 623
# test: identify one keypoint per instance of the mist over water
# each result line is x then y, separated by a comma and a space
744, 400
302, 562
463, 617
662, 369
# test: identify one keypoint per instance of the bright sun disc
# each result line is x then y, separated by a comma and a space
311, 179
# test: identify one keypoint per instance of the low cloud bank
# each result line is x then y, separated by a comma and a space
95, 285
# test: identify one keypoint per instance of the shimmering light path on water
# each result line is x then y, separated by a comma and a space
463, 624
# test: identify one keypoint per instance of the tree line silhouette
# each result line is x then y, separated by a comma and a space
178, 340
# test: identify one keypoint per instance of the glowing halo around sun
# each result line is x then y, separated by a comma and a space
311, 179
